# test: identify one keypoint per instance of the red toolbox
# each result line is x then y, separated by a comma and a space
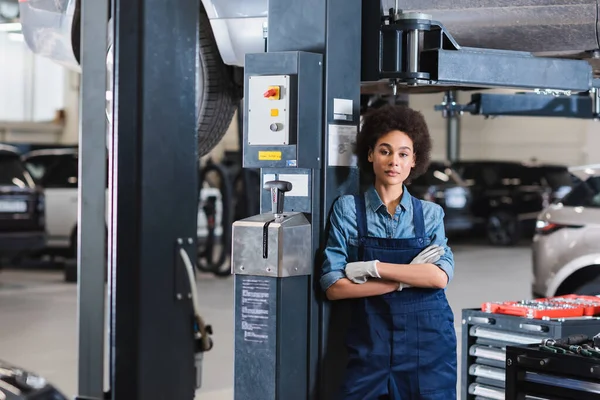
571, 305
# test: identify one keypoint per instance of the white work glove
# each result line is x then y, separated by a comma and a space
360, 271
428, 256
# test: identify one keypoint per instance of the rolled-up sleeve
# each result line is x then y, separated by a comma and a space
336, 250
438, 236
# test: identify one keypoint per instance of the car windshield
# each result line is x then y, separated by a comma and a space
586, 194
13, 173
438, 175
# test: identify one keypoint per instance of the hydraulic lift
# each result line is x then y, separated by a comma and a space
302, 100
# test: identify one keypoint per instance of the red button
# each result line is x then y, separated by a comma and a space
270, 93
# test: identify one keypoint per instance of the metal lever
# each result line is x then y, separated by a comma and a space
278, 189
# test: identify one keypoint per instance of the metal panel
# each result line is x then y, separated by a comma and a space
264, 126
531, 104
270, 340
153, 197
292, 203
501, 69
287, 246
255, 361
310, 110
306, 71
91, 247
296, 26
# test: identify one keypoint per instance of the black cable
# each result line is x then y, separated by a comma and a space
205, 260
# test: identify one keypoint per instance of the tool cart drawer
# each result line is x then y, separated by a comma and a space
485, 337
535, 374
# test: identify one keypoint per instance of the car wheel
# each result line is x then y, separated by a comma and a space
503, 229
589, 289
218, 94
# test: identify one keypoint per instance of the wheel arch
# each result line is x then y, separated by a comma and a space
574, 274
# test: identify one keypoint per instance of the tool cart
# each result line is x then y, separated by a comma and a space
486, 333
567, 369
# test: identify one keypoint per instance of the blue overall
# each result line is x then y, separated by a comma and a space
401, 345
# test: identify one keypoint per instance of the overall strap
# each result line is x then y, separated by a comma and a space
361, 215
361, 224
418, 219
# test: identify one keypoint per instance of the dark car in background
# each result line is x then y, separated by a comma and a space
22, 208
508, 195
443, 185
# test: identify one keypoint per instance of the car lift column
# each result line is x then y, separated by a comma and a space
452, 128
91, 230
298, 32
153, 199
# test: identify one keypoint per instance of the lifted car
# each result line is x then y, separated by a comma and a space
230, 29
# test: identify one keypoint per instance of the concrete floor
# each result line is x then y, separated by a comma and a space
39, 328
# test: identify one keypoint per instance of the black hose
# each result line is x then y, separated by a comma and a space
205, 261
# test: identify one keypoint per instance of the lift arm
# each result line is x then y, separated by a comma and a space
414, 50
532, 104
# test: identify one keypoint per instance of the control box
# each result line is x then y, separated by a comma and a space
283, 115
268, 110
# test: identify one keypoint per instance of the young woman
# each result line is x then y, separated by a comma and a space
387, 252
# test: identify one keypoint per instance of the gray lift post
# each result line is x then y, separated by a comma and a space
91, 254
314, 57
153, 199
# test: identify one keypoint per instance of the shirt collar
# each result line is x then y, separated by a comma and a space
374, 201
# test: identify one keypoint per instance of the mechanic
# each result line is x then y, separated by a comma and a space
387, 254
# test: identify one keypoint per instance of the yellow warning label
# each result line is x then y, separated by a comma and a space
269, 155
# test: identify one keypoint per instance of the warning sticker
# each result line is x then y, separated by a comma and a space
255, 310
269, 155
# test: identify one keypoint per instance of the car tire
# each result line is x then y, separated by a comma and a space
589, 288
218, 94
503, 229
217, 89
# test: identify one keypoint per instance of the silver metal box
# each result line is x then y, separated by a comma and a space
286, 243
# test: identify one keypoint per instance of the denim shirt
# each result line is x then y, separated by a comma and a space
342, 243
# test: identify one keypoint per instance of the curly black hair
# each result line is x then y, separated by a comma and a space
379, 122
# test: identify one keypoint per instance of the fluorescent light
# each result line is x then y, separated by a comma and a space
10, 27
17, 37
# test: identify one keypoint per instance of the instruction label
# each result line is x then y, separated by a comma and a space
269, 155
342, 139
255, 310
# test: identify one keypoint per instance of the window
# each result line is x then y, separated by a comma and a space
13, 173
38, 166
586, 194
63, 174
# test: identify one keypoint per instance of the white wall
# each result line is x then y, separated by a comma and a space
32, 87
556, 140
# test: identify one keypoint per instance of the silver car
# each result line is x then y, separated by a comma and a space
566, 246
